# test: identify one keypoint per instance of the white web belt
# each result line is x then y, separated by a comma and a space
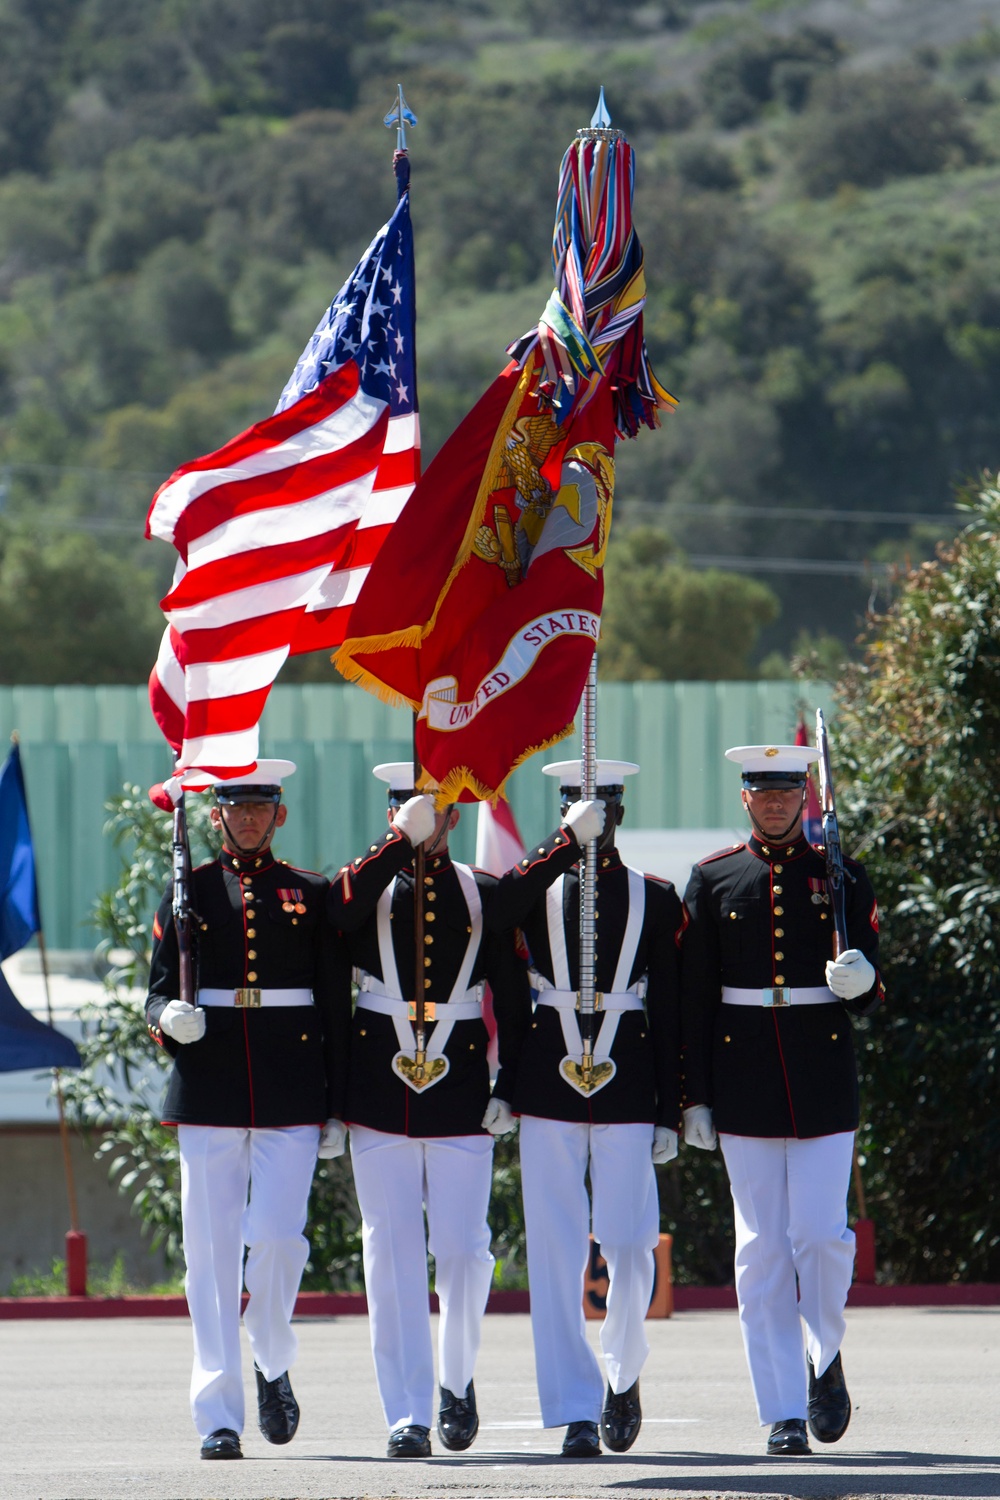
773, 996
251, 999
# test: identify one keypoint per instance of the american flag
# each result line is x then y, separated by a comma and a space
276, 530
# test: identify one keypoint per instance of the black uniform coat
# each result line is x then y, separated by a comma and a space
274, 1065
646, 1049
759, 917
376, 1095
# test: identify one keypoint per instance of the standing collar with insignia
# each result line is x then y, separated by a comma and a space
788, 849
610, 859
255, 864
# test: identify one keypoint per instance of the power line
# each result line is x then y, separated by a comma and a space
815, 565
791, 513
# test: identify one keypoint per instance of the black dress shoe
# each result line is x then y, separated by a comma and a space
225, 1443
277, 1408
788, 1439
458, 1419
409, 1442
581, 1441
829, 1403
621, 1418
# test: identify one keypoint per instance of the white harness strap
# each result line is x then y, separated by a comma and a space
568, 1015
459, 995
557, 933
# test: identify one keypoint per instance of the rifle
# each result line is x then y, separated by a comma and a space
181, 852
835, 873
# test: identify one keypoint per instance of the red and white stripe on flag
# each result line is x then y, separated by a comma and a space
276, 532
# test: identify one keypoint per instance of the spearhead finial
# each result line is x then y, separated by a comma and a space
600, 119
600, 128
400, 115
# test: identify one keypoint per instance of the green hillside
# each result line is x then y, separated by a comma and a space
184, 184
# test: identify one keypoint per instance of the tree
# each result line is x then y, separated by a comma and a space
917, 731
663, 620
69, 612
867, 128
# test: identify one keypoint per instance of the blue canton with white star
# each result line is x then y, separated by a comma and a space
370, 320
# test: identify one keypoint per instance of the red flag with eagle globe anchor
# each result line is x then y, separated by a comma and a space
483, 608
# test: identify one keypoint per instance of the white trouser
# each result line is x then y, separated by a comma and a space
242, 1187
557, 1216
396, 1177
790, 1200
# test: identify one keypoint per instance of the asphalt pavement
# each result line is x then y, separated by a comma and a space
97, 1410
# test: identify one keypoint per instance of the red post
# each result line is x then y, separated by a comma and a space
864, 1251
76, 1263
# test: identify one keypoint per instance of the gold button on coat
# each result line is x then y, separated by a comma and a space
252, 977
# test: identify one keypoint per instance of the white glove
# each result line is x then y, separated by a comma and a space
416, 819
850, 975
664, 1144
498, 1119
183, 1022
698, 1128
586, 819
332, 1139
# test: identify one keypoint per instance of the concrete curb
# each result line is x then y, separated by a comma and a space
348, 1304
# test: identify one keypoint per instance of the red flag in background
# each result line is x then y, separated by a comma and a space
499, 847
812, 821
482, 611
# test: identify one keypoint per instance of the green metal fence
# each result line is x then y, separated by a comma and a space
80, 745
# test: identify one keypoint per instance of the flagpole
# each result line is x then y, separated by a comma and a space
399, 117
76, 1241
599, 130
588, 876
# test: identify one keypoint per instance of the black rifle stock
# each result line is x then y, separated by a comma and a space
835, 875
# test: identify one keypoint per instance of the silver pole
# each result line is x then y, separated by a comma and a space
588, 873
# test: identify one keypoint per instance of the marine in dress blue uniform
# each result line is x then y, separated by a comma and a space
257, 1086
770, 1066
418, 1145
616, 1130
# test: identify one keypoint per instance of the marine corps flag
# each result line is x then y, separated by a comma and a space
482, 610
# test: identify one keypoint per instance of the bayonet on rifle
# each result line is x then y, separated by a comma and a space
835, 874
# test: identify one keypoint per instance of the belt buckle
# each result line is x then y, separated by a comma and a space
777, 995
598, 1000
430, 1010
245, 999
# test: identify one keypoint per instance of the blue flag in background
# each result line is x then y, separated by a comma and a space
25, 1042
19, 919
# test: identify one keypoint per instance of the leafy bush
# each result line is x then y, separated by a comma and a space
918, 730
738, 82
867, 128
662, 620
